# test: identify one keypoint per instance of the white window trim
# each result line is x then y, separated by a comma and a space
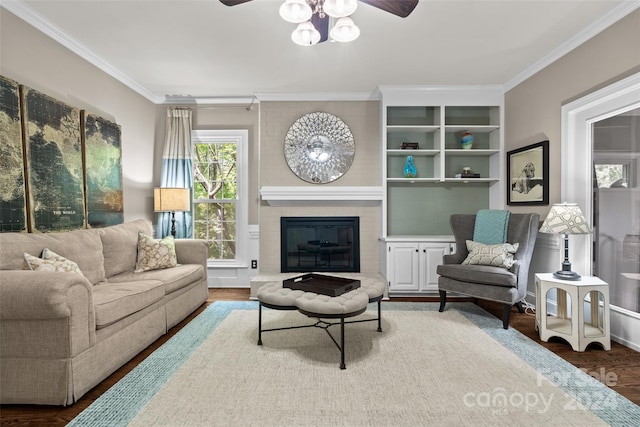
577, 152
241, 138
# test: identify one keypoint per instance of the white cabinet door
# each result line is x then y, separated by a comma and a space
430, 257
403, 267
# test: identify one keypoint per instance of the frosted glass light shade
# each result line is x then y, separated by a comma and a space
340, 8
295, 11
305, 34
345, 30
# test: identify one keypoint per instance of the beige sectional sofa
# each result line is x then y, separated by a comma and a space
62, 333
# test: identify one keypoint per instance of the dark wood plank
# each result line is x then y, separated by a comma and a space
621, 361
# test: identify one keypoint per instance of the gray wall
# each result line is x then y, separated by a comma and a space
33, 59
533, 108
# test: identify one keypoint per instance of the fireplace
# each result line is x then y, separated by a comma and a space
320, 244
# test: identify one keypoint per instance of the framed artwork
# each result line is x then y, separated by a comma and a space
528, 175
13, 208
103, 170
54, 163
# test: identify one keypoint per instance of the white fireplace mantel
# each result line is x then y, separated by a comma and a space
322, 195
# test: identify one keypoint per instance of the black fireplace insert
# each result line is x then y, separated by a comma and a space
317, 244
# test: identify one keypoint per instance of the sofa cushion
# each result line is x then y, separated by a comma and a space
50, 261
154, 254
84, 247
115, 301
120, 245
481, 274
173, 278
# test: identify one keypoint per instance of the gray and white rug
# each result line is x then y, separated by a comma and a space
426, 368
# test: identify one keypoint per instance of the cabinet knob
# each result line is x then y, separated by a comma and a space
416, 250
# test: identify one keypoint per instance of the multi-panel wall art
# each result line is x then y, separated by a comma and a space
13, 214
62, 173
101, 140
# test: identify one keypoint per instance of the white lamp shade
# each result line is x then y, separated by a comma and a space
167, 199
305, 34
339, 8
565, 218
345, 30
295, 11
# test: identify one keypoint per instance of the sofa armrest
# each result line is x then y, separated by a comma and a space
45, 314
192, 251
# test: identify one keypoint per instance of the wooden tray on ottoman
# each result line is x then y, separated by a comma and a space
320, 284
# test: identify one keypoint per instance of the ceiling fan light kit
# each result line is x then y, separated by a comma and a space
315, 16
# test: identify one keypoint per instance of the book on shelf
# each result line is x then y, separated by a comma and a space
409, 146
467, 175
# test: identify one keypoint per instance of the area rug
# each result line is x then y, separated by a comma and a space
426, 368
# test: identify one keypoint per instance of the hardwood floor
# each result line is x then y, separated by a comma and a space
621, 365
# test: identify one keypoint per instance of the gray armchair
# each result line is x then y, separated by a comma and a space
489, 282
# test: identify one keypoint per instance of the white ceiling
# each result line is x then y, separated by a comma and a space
204, 49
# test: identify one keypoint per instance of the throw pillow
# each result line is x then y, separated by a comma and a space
154, 254
500, 255
50, 261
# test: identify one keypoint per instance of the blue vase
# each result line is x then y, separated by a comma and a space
466, 140
410, 168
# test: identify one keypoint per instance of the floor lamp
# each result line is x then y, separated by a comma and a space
166, 199
565, 218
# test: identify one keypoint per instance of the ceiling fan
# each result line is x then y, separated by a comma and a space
320, 21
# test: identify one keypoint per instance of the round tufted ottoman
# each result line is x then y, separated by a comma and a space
273, 295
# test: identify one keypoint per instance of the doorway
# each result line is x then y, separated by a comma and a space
616, 206
583, 120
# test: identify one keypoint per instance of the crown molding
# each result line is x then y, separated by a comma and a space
318, 96
600, 25
27, 14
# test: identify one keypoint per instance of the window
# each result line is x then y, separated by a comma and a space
612, 174
220, 194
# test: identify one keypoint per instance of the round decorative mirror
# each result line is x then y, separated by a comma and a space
319, 148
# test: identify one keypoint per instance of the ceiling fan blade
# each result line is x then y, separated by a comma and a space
233, 2
322, 25
401, 8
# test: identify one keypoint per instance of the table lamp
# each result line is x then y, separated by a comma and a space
168, 199
565, 218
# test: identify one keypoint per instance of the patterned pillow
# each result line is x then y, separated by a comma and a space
155, 254
50, 261
500, 255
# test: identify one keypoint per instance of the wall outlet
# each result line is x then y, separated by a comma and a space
254, 263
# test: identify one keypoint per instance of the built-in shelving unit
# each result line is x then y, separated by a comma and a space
416, 210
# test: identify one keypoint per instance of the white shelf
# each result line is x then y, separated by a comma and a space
400, 152
413, 180
322, 195
471, 128
470, 180
470, 152
412, 128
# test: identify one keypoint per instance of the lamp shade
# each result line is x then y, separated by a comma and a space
565, 218
345, 30
295, 11
305, 34
168, 199
339, 8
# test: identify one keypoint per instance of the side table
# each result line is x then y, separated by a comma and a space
571, 326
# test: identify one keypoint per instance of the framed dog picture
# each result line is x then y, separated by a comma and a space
528, 175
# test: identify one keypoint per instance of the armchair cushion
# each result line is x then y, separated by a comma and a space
480, 274
499, 255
